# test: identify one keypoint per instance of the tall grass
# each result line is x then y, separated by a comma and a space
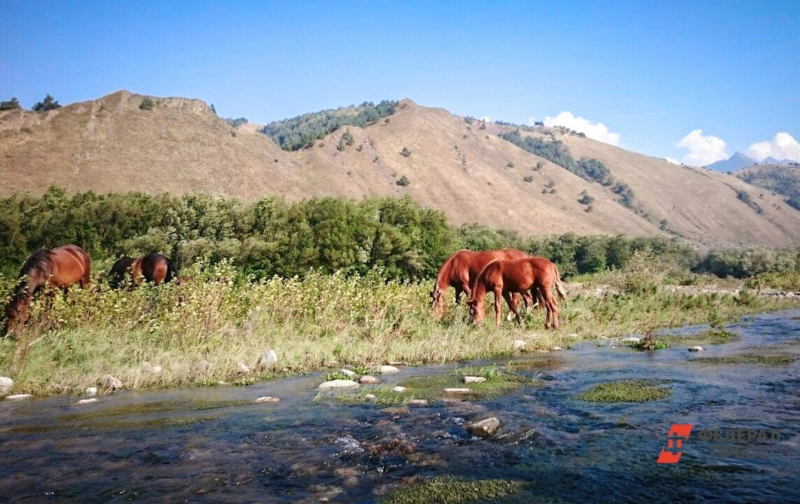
200, 331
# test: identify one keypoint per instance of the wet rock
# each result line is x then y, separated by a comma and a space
392, 446
696, 349
520, 344
6, 384
418, 402
91, 391
86, 401
388, 369
347, 372
557, 349
267, 399
111, 382
18, 397
458, 390
398, 389
484, 428
369, 380
338, 384
474, 379
242, 368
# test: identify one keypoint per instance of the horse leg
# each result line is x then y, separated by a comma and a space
497, 308
512, 305
459, 291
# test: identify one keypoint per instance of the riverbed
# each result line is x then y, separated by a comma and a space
217, 444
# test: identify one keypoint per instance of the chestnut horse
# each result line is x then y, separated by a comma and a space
60, 268
534, 274
460, 270
154, 268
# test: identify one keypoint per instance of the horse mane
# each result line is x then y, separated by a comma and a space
478, 284
443, 277
38, 262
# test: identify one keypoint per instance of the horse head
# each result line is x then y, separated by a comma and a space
17, 314
477, 310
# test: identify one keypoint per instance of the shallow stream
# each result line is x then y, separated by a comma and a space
217, 445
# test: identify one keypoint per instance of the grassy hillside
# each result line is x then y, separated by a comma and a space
457, 165
781, 179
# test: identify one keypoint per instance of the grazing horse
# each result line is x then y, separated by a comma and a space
119, 272
460, 270
534, 274
60, 268
154, 268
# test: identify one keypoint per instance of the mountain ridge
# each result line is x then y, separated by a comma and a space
466, 170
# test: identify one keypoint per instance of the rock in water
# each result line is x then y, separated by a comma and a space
484, 428
338, 384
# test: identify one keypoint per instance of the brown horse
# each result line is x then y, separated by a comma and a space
120, 272
534, 274
461, 269
153, 268
60, 268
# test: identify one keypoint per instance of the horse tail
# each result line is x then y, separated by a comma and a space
559, 286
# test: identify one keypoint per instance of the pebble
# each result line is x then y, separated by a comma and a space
369, 380
458, 390
398, 389
484, 428
87, 401
696, 349
267, 399
347, 372
91, 391
418, 402
388, 369
17, 397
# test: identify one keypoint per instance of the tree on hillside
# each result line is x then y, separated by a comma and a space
49, 103
11, 104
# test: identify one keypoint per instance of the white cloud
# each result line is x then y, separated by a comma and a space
703, 149
673, 161
595, 131
783, 146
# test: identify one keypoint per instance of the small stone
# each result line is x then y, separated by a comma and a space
520, 344
18, 397
347, 372
6, 384
87, 401
369, 380
242, 368
266, 399
484, 428
269, 359
91, 391
398, 388
630, 340
696, 349
474, 379
458, 390
338, 384
418, 402
111, 383
557, 349
370, 397
388, 369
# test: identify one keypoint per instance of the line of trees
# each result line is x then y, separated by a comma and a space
272, 237
302, 131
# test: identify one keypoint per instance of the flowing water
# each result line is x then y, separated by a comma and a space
216, 445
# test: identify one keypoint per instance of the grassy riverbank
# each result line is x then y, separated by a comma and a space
199, 333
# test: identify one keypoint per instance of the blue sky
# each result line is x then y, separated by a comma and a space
714, 77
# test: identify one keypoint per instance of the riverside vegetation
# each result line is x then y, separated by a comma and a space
326, 283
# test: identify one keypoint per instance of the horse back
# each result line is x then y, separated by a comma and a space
69, 264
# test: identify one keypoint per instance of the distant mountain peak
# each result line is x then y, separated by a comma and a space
733, 163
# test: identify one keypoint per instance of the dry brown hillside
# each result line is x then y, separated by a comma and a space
181, 146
